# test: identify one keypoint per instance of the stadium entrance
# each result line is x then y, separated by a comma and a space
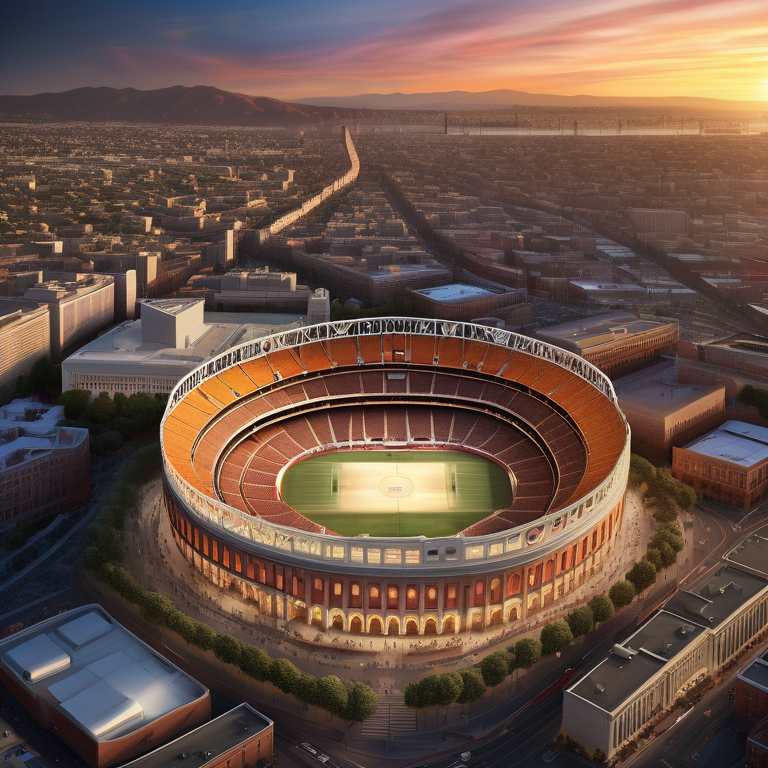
396, 493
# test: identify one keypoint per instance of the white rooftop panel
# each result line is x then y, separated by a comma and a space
38, 658
455, 292
736, 442
72, 684
84, 629
101, 708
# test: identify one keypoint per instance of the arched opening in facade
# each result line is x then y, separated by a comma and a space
449, 625
356, 624
477, 621
317, 616
374, 626
430, 627
411, 627
495, 617
337, 622
393, 626
512, 614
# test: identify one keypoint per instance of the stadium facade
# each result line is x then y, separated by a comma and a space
545, 415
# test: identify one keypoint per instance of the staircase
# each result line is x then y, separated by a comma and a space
391, 716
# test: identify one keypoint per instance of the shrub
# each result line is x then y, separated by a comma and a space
494, 668
581, 621
202, 635
101, 410
473, 686
621, 594
602, 608
555, 637
305, 689
599, 757
527, 652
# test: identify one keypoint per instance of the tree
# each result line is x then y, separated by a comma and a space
110, 543
255, 663
120, 400
45, 377
93, 559
305, 689
599, 756
75, 401
653, 556
283, 675
622, 593
155, 607
473, 686
602, 608
642, 574
361, 702
101, 410
181, 624
125, 426
143, 410
332, 695
555, 637
527, 652
449, 686
412, 695
494, 668
581, 621
107, 443
227, 649
667, 554
204, 636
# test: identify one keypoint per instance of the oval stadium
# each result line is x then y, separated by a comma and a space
396, 476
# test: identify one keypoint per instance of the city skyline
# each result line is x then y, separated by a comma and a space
706, 48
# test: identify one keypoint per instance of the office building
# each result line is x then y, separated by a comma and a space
615, 342
172, 338
700, 630
25, 338
728, 465
43, 468
78, 309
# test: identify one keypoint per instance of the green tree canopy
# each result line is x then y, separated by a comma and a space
101, 410
581, 621
332, 695
75, 401
283, 675
602, 608
305, 689
228, 649
361, 702
622, 593
642, 574
473, 685
255, 663
494, 668
555, 637
527, 652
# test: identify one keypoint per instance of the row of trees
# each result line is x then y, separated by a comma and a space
104, 555
756, 397
666, 496
44, 380
111, 421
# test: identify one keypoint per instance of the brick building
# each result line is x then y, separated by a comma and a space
728, 465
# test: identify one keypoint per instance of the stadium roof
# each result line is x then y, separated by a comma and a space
99, 675
736, 442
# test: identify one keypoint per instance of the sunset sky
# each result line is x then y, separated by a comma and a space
304, 48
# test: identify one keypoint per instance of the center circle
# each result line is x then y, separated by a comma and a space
396, 487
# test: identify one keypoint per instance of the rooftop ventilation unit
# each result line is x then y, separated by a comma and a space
624, 653
599, 688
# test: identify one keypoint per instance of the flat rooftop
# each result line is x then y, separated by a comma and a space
171, 306
593, 331
454, 293
715, 597
96, 673
662, 398
602, 285
217, 736
736, 442
752, 552
756, 672
743, 342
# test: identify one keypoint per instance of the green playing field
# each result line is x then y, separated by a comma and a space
396, 493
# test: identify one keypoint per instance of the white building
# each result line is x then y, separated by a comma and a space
77, 309
25, 338
172, 338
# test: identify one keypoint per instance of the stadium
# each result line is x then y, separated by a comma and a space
396, 476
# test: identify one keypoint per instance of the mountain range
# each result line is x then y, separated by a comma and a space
198, 105
504, 98
205, 105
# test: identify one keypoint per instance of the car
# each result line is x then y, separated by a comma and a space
309, 748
